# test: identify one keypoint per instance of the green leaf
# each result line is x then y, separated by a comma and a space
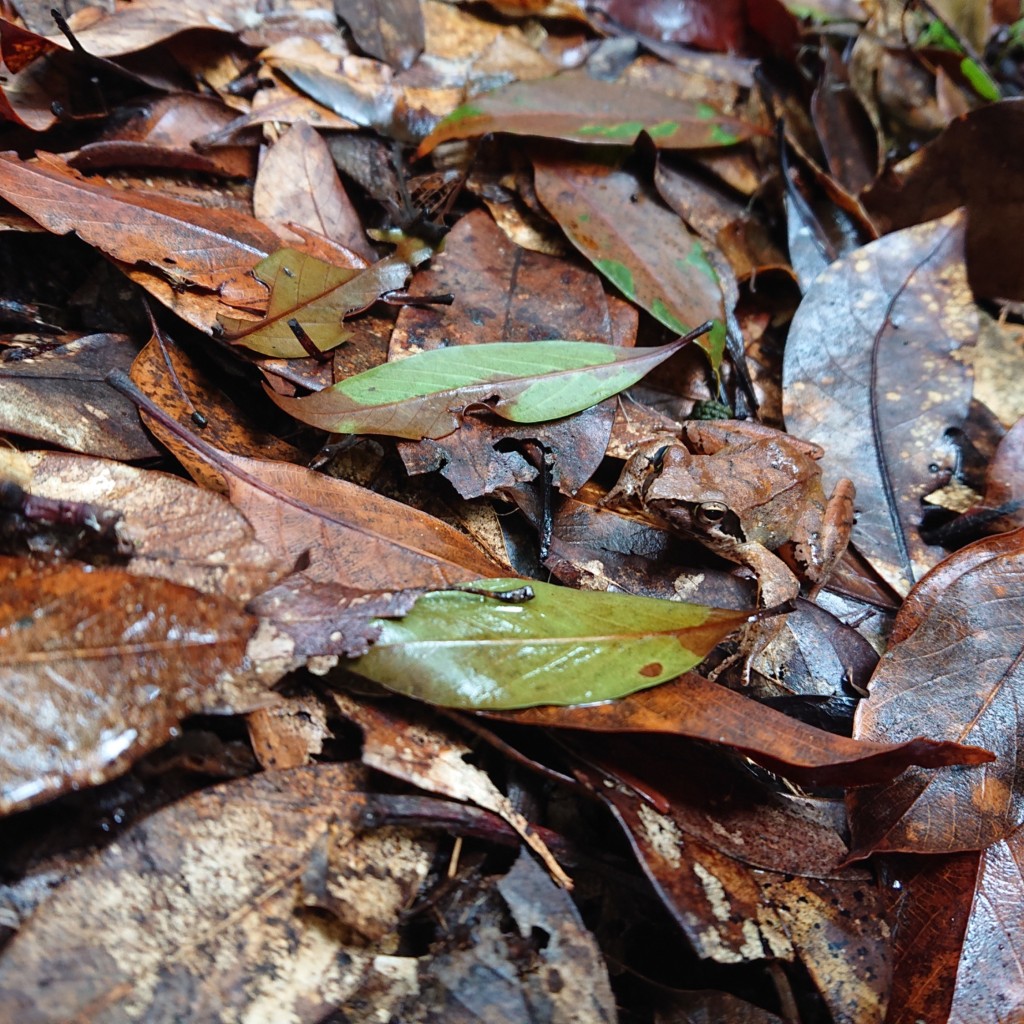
319, 296
575, 107
467, 650
526, 382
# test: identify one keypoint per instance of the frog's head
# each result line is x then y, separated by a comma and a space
676, 489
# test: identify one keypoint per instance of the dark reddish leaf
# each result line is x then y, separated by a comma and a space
97, 667
162, 135
845, 131
958, 946
390, 30
953, 670
1004, 485
970, 165
501, 292
727, 25
21, 47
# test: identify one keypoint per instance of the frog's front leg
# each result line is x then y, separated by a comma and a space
628, 489
823, 534
776, 585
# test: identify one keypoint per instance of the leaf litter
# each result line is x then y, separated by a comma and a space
558, 199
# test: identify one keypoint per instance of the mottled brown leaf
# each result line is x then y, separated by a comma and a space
97, 667
175, 530
875, 371
195, 912
59, 396
643, 248
577, 107
164, 371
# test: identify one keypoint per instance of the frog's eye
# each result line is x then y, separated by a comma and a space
711, 514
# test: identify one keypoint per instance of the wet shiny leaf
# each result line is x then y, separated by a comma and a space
558, 647
97, 667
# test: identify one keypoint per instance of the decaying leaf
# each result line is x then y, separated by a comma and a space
201, 910
59, 396
576, 107
423, 395
173, 529
319, 296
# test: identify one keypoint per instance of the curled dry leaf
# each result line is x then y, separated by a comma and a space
694, 707
424, 395
194, 913
350, 535
893, 325
558, 646
953, 670
97, 667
